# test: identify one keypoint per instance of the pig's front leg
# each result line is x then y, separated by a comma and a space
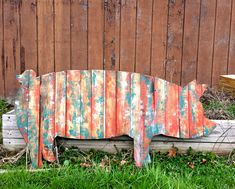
48, 149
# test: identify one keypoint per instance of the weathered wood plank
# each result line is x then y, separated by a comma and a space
14, 144
45, 36
110, 103
124, 102
143, 36
60, 103
172, 117
112, 34
175, 41
73, 103
2, 70
95, 34
11, 46
206, 37
227, 83
160, 89
159, 37
184, 114
47, 115
190, 41
79, 48
28, 33
112, 146
62, 35
86, 87
10, 133
221, 41
128, 29
33, 121
231, 61
98, 104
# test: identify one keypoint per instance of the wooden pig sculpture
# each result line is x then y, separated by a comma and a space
98, 104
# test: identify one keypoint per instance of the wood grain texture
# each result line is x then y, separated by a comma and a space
28, 33
95, 34
45, 36
175, 40
79, 48
128, 29
190, 41
231, 60
206, 37
143, 36
62, 35
221, 41
2, 71
112, 34
11, 46
159, 37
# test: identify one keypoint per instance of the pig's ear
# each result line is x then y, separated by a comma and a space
200, 89
193, 83
32, 73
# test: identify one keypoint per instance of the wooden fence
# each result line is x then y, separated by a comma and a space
178, 40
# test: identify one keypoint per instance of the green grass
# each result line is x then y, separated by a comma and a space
228, 110
108, 171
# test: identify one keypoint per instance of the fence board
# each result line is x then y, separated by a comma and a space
62, 35
2, 71
95, 34
112, 34
128, 29
190, 41
231, 62
206, 36
28, 35
143, 36
159, 36
79, 34
11, 45
174, 41
45, 36
221, 41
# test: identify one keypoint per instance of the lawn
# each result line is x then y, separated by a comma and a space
101, 170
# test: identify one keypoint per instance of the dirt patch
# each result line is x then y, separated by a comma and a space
218, 104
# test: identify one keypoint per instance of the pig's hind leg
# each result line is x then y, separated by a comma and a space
141, 151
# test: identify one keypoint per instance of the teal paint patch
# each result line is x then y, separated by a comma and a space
155, 129
94, 78
206, 131
74, 118
73, 132
182, 102
100, 133
128, 98
84, 132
